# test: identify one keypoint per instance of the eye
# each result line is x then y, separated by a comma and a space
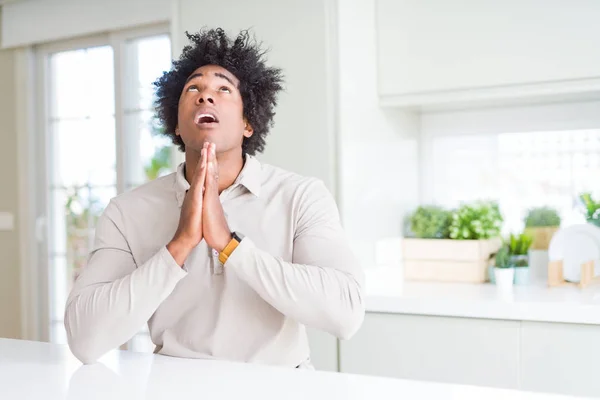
192, 88
225, 89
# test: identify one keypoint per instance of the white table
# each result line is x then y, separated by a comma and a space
33, 370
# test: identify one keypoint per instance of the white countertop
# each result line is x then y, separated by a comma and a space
387, 293
33, 370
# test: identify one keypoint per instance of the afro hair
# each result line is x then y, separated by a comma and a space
244, 58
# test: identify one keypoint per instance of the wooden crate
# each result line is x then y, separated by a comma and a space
446, 260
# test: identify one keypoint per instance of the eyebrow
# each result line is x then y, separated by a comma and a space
217, 74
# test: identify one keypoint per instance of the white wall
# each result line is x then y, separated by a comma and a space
378, 148
298, 34
26, 22
10, 317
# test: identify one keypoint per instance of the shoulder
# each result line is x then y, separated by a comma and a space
279, 180
147, 196
306, 198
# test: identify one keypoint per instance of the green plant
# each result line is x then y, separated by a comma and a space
480, 220
82, 210
430, 222
591, 208
542, 217
160, 162
518, 246
161, 159
503, 258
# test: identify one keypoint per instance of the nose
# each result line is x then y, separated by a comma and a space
205, 97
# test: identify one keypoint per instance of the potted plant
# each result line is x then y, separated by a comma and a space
503, 269
518, 246
430, 222
591, 208
480, 220
541, 223
452, 245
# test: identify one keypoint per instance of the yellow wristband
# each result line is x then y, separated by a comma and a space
231, 246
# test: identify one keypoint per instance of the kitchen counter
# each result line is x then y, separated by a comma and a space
388, 293
34, 370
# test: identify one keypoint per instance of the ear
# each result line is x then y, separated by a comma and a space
177, 130
248, 131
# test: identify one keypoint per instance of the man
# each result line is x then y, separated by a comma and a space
227, 258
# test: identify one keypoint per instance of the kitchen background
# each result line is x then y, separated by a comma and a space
395, 104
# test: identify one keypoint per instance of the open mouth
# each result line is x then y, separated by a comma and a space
206, 119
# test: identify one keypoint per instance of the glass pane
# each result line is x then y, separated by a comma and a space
456, 180
75, 212
82, 210
58, 199
82, 83
148, 152
148, 59
84, 151
520, 170
149, 156
82, 146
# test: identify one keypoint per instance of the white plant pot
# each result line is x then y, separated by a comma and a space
504, 277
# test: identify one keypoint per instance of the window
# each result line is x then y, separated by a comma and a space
101, 139
82, 163
520, 170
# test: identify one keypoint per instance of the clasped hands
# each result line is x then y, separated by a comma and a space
202, 215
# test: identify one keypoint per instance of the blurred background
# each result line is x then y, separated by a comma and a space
463, 108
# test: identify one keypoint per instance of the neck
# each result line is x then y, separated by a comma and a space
230, 165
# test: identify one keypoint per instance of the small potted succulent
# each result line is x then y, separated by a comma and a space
503, 269
518, 246
541, 223
591, 208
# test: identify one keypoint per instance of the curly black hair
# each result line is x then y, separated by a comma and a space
244, 58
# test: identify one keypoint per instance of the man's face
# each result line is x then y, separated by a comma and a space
211, 109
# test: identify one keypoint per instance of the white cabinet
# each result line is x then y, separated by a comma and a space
536, 356
323, 350
437, 51
560, 358
458, 350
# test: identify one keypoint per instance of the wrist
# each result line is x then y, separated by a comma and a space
233, 243
222, 243
180, 250
183, 242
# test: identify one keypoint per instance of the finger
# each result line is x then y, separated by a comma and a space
202, 178
200, 174
197, 175
211, 152
215, 165
211, 173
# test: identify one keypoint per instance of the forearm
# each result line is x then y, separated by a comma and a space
102, 316
320, 297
